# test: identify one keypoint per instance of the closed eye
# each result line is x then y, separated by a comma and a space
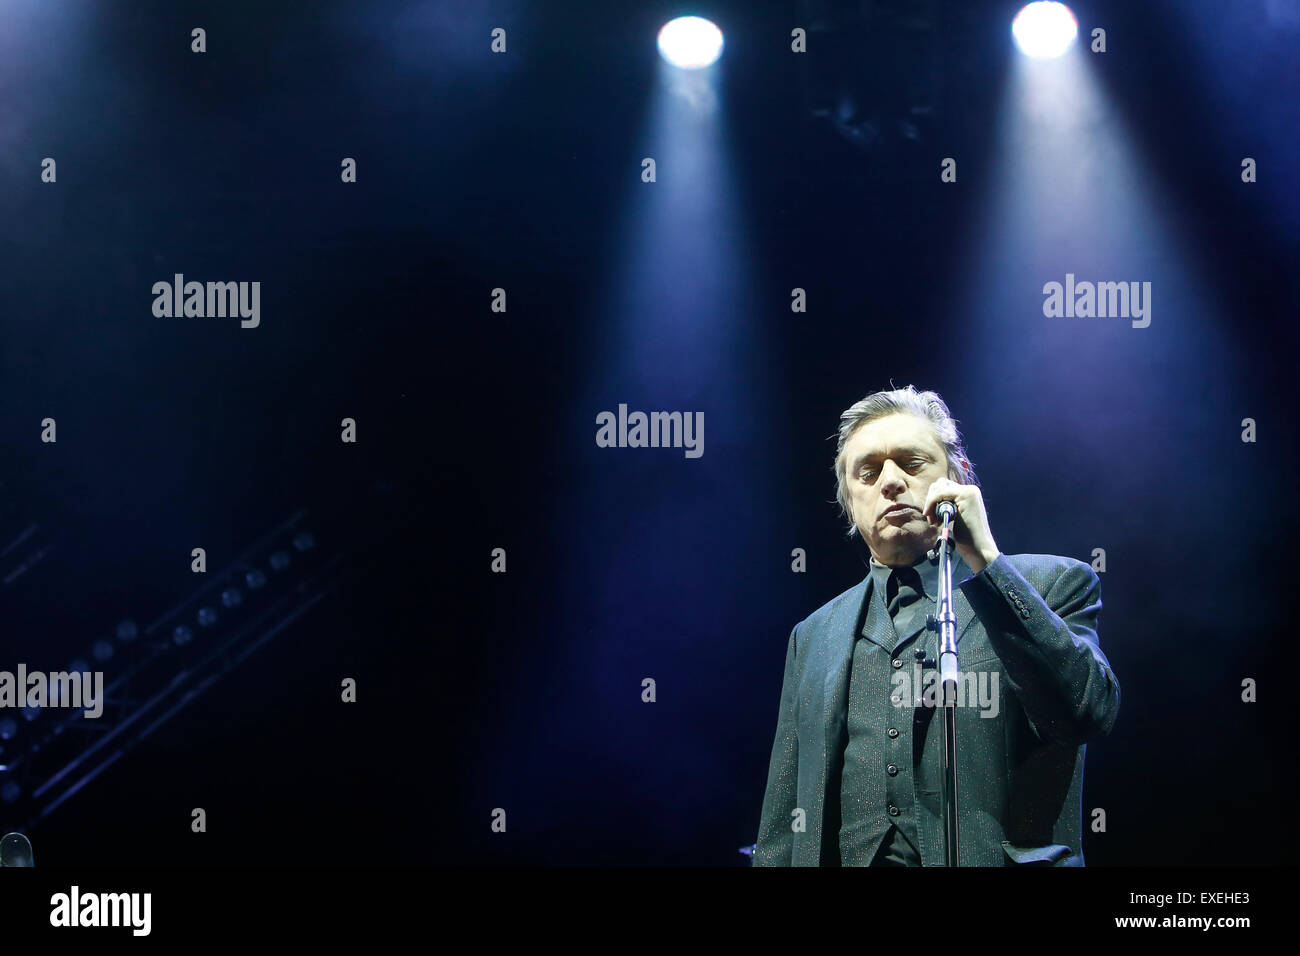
913, 464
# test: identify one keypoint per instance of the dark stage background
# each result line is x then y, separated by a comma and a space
476, 429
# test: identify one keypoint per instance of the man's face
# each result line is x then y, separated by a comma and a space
889, 465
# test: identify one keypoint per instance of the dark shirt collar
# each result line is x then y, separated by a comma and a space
927, 567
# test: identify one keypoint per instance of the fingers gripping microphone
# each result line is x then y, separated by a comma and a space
945, 509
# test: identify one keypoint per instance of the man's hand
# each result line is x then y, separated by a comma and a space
972, 537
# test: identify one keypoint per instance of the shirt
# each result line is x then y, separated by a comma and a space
870, 771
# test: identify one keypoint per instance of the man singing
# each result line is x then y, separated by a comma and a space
856, 775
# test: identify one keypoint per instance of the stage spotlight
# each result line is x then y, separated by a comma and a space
690, 42
1044, 30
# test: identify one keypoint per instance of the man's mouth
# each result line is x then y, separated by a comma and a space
897, 509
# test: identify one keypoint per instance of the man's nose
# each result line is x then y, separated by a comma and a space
891, 476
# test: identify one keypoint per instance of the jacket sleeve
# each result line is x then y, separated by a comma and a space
775, 843
1048, 645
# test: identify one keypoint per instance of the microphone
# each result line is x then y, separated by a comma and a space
943, 509
15, 850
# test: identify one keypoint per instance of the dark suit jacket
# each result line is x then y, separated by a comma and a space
1032, 618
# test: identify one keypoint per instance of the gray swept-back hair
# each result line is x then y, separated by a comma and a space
925, 405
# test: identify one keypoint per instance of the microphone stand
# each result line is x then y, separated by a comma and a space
946, 625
